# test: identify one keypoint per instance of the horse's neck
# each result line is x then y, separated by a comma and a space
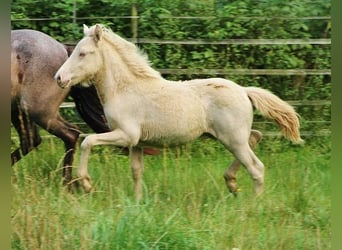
114, 81
105, 91
123, 73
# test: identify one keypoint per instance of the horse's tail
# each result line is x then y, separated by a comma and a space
271, 106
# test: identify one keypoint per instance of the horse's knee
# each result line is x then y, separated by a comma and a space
71, 140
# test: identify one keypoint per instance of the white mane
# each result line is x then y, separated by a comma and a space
134, 58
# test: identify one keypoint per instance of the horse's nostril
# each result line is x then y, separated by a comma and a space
59, 80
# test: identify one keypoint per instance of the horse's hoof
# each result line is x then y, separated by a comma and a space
88, 188
235, 192
86, 185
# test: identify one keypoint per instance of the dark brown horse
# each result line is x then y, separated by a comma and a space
36, 98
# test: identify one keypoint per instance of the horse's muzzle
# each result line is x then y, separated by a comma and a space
61, 83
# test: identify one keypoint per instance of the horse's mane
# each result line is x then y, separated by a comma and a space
135, 59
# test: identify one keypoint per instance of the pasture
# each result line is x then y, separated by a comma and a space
186, 204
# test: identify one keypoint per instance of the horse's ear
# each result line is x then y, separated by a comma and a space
97, 33
85, 29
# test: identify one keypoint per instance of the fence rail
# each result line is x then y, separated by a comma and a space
245, 71
321, 41
317, 41
294, 103
76, 18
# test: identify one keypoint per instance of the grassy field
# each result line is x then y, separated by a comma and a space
186, 204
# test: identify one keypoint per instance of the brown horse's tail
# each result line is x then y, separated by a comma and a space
274, 108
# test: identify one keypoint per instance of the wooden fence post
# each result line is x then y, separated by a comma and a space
134, 22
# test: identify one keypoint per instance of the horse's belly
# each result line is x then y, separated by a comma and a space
167, 141
170, 135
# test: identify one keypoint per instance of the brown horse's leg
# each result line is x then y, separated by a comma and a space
70, 146
28, 141
231, 171
69, 134
28, 134
137, 166
15, 156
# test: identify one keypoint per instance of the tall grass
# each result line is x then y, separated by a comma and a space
186, 204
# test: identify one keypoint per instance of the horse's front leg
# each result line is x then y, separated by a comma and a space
137, 165
231, 171
69, 134
82, 171
116, 137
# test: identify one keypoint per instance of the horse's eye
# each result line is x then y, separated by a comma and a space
82, 54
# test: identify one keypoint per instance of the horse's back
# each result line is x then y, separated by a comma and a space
34, 43
220, 93
35, 57
225, 102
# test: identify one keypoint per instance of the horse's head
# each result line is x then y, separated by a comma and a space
84, 62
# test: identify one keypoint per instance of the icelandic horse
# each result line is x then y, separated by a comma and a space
144, 109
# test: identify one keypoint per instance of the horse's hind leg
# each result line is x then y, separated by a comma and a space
253, 165
28, 134
231, 171
29, 139
136, 155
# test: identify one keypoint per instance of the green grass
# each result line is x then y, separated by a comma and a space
186, 204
